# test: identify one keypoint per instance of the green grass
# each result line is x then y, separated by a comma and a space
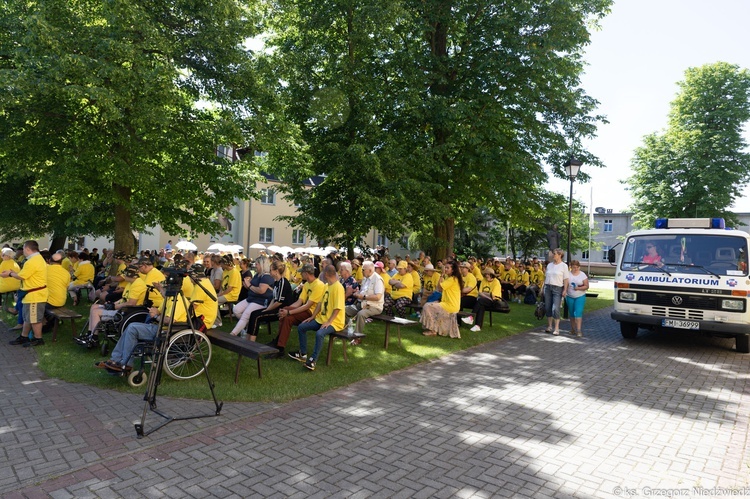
285, 379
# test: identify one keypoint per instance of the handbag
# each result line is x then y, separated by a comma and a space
539, 311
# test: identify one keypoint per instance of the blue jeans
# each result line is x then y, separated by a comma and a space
320, 335
138, 331
552, 300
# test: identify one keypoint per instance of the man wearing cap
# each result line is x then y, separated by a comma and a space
294, 314
490, 298
33, 277
328, 318
369, 296
402, 287
107, 311
152, 279
416, 287
58, 280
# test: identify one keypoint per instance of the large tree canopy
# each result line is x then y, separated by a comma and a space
450, 104
699, 165
105, 115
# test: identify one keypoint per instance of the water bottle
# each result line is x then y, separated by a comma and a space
350, 328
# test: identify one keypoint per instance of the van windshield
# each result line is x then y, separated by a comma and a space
686, 253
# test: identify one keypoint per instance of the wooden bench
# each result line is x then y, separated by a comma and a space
345, 338
241, 347
392, 320
62, 314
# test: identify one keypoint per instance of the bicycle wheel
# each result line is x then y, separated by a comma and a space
186, 353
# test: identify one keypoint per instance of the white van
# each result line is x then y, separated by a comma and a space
687, 273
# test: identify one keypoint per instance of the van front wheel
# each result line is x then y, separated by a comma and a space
742, 343
628, 330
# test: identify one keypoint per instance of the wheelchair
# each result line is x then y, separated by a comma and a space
109, 331
185, 354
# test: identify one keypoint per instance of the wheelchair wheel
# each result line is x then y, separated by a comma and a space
185, 354
104, 347
137, 378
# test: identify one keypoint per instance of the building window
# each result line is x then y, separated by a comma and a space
298, 237
382, 241
608, 225
605, 250
585, 255
268, 196
266, 235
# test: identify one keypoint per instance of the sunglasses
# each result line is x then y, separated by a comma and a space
649, 246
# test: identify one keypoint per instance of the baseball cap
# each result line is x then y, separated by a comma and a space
379, 265
402, 265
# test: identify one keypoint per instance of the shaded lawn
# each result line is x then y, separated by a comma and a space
285, 379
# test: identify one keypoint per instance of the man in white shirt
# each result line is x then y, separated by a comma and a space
369, 297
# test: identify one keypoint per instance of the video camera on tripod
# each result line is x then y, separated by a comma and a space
173, 282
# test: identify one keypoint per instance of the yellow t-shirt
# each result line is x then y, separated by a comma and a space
537, 277
58, 280
522, 278
476, 272
84, 273
451, 300
430, 282
471, 282
154, 275
333, 299
358, 274
387, 288
137, 290
492, 287
406, 292
417, 286
34, 273
209, 309
507, 275
232, 278
312, 292
8, 284
66, 264
180, 315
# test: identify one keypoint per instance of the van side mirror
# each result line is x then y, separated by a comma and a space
611, 256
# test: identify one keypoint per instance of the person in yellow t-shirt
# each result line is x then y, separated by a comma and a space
152, 278
231, 281
203, 304
33, 277
490, 298
402, 288
523, 279
329, 317
417, 281
469, 291
429, 282
438, 318
9, 284
58, 280
122, 354
309, 297
83, 277
475, 269
380, 270
507, 279
357, 269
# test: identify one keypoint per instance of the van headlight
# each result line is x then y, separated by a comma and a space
737, 305
628, 296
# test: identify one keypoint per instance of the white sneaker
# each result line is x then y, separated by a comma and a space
475, 329
468, 320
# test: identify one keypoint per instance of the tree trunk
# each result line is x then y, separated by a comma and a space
444, 233
123, 234
58, 242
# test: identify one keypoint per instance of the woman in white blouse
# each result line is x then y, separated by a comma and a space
556, 281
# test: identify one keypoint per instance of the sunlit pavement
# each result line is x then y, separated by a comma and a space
530, 416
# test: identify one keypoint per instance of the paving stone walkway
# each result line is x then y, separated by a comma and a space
529, 416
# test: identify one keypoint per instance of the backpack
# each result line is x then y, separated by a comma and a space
530, 297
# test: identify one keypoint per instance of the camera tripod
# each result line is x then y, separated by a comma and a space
159, 356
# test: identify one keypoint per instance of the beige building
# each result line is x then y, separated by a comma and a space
254, 222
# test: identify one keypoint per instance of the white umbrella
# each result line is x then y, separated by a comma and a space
301, 250
235, 248
257, 246
216, 247
329, 249
274, 249
186, 246
285, 250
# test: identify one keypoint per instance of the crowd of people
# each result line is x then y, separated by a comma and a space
314, 293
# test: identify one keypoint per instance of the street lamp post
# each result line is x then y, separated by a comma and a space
572, 167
